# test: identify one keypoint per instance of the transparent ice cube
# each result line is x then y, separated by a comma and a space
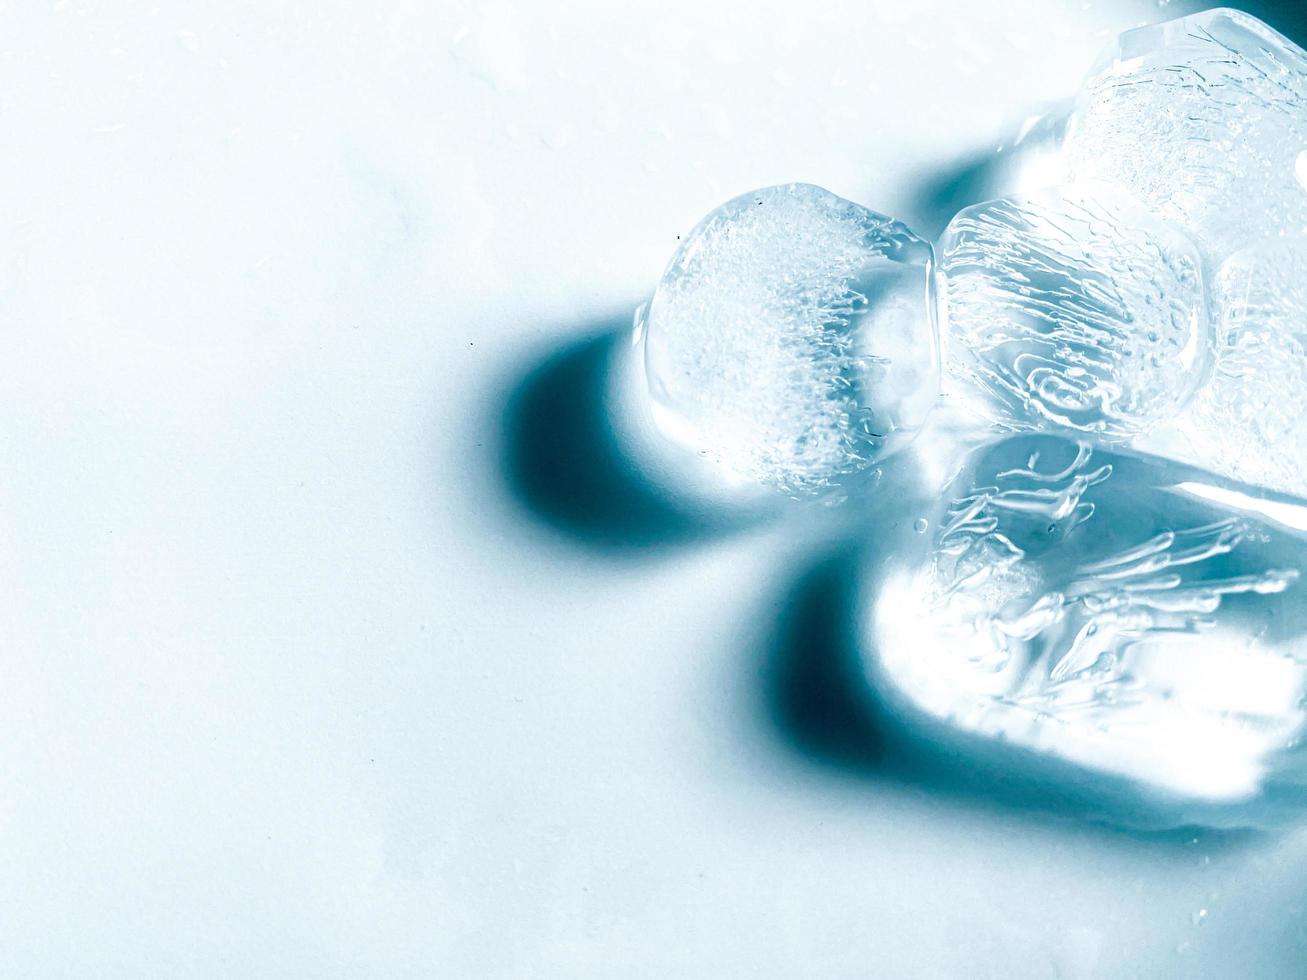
1071, 308
1250, 421
1110, 613
1204, 119
791, 341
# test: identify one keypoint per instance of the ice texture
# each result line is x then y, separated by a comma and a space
790, 338
1073, 308
1205, 120
1250, 421
1112, 612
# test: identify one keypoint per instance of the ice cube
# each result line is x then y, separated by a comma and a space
1204, 119
1071, 308
1102, 612
791, 341
1250, 421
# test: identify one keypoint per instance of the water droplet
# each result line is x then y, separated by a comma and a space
920, 525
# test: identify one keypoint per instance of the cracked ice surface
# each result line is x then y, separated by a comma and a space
1107, 611
1204, 119
1073, 308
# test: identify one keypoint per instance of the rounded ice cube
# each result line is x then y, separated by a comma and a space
1070, 308
791, 339
1084, 612
1204, 119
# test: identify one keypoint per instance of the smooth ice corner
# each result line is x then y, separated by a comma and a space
1075, 309
791, 339
1126, 626
1204, 119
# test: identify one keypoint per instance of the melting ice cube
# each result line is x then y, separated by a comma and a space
1107, 613
1073, 308
1250, 421
791, 340
1204, 119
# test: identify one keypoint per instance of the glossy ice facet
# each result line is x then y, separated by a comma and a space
1250, 421
1111, 613
790, 339
1204, 119
1072, 309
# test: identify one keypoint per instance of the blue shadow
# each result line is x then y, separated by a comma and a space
564, 464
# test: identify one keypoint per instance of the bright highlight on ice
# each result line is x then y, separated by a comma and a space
1074, 598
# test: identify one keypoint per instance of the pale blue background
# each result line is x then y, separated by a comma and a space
305, 672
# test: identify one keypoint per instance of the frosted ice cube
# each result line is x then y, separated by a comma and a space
1103, 612
1204, 119
1250, 421
1073, 308
790, 339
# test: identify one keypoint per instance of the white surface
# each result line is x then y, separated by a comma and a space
292, 684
